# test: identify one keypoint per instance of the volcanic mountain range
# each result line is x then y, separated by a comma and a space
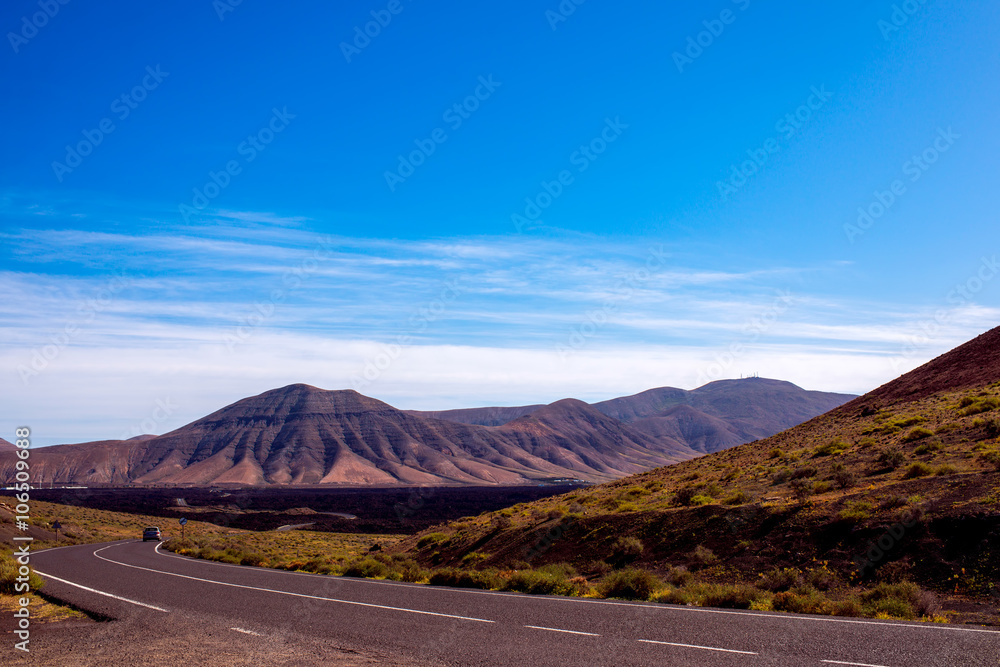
300, 434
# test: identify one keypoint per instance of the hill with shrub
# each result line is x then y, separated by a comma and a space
888, 505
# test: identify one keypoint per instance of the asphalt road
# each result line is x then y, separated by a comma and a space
463, 627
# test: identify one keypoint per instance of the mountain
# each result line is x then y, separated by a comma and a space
724, 413
713, 417
493, 416
7, 446
901, 484
974, 364
303, 435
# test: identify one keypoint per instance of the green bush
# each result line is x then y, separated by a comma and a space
918, 433
980, 406
892, 458
9, 574
685, 495
737, 498
366, 568
431, 539
406, 569
474, 557
856, 512
843, 477
629, 584
778, 579
253, 559
781, 476
903, 600
547, 580
679, 576
832, 448
804, 472
486, 579
932, 445
801, 600
703, 557
626, 550
802, 488
730, 596
918, 469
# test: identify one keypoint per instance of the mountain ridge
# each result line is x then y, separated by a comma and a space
303, 435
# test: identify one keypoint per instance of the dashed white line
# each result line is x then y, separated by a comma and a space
569, 632
247, 632
855, 664
610, 603
297, 595
94, 590
706, 648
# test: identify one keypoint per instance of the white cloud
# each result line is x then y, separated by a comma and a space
163, 334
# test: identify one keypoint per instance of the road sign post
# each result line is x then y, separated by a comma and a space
183, 522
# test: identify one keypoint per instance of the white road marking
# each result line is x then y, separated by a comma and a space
707, 648
247, 632
297, 595
94, 590
856, 664
633, 605
570, 632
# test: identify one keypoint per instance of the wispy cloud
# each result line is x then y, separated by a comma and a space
110, 322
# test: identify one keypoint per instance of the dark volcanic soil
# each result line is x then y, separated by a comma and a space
390, 510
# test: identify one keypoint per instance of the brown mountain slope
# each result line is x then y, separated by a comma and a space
907, 491
7, 446
103, 462
304, 435
492, 416
718, 415
724, 413
590, 439
974, 364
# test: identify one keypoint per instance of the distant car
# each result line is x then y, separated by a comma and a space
151, 533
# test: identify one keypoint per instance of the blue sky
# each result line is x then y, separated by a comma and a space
487, 203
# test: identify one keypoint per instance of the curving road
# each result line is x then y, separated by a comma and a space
465, 627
